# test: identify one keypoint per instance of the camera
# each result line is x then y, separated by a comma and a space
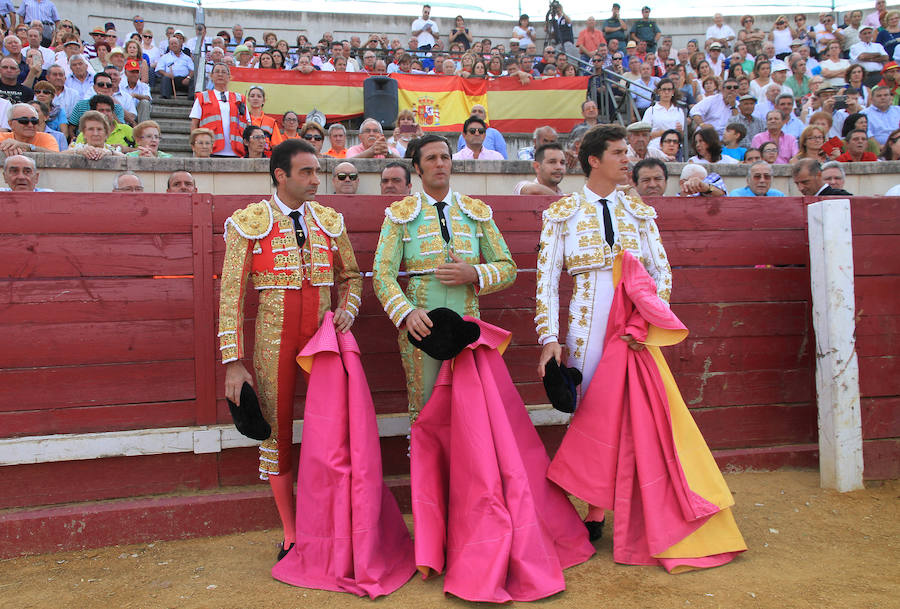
555, 6
840, 102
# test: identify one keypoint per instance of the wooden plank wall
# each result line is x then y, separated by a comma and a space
108, 310
876, 243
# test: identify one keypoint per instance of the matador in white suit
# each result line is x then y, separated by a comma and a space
584, 233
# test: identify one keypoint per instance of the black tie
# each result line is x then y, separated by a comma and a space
445, 232
301, 238
607, 223
223, 96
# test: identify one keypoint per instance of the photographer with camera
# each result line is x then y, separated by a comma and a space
558, 27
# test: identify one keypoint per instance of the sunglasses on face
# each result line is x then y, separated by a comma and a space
476, 131
26, 120
146, 36
730, 87
347, 176
138, 21
103, 85
310, 137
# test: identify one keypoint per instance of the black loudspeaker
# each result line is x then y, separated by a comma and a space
380, 100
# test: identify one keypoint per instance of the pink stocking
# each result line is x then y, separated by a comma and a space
283, 490
595, 514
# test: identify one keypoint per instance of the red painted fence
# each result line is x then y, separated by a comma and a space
876, 243
109, 304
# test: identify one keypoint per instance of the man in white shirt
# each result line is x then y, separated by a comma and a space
549, 170
176, 69
425, 29
870, 55
717, 109
34, 42
138, 90
191, 44
715, 59
123, 99
874, 18
80, 82
720, 32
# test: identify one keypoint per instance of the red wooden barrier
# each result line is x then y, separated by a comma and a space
876, 241
109, 303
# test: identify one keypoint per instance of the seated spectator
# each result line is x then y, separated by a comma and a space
255, 143
696, 181
716, 110
244, 58
769, 152
751, 156
540, 137
45, 93
731, 139
810, 145
146, 137
787, 144
345, 179
832, 146
857, 120
372, 143
798, 81
175, 70
406, 130
855, 150
129, 109
745, 117
870, 55
128, 181
638, 143
549, 167
181, 181
313, 133
21, 174
11, 87
834, 67
664, 114
833, 174
493, 139
290, 124
589, 113
396, 179
337, 138
891, 150
807, 176
134, 56
103, 85
883, 116
759, 182
670, 146
202, 141
650, 177
138, 90
474, 129
256, 101
96, 128
43, 112
25, 137
709, 148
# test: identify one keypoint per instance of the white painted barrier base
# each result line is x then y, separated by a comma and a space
837, 371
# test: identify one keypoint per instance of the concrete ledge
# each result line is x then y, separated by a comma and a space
68, 173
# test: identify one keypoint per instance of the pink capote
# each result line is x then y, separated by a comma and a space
619, 452
351, 536
479, 493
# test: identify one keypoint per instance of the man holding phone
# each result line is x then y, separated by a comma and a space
474, 130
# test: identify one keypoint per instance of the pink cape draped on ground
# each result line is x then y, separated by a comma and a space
620, 450
351, 536
480, 495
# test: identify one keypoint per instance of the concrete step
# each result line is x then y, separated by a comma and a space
162, 111
177, 102
173, 125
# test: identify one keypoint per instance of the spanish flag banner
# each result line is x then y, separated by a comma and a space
440, 103
338, 95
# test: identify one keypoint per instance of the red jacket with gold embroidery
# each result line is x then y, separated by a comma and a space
261, 244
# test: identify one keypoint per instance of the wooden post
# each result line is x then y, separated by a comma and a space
837, 372
204, 314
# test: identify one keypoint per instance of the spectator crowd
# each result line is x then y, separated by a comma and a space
824, 92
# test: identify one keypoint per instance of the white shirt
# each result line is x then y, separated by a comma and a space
717, 66
823, 37
660, 118
126, 101
48, 55
840, 64
225, 113
287, 212
425, 36
713, 110
190, 45
722, 33
81, 89
526, 35
867, 47
141, 88
153, 54
594, 198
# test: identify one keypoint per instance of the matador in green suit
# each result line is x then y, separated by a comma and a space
440, 237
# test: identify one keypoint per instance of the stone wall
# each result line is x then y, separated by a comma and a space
251, 177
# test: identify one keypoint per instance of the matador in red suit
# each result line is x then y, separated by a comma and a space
294, 250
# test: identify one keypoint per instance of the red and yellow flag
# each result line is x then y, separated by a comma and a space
440, 103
